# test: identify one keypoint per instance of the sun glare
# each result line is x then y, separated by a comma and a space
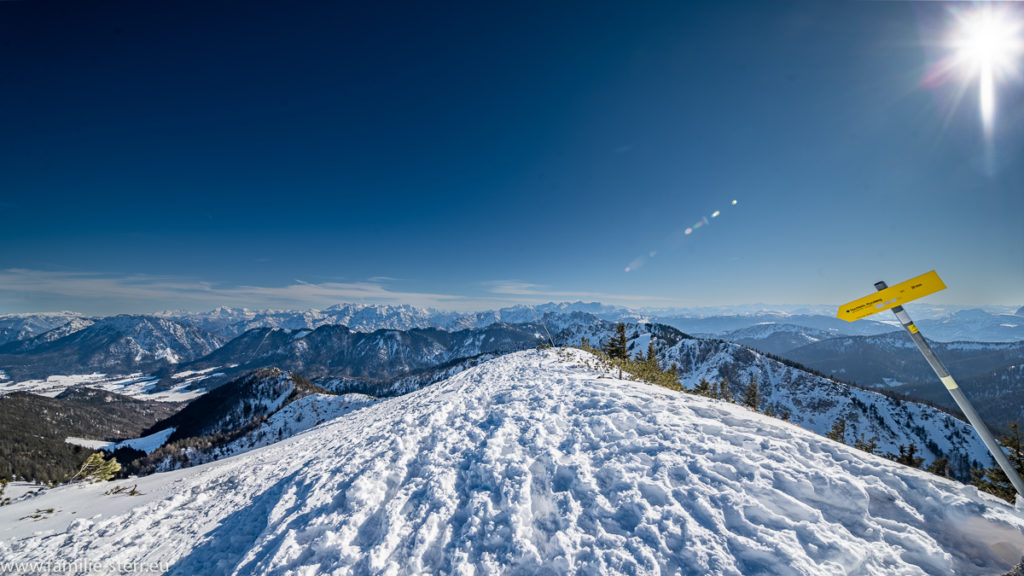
988, 47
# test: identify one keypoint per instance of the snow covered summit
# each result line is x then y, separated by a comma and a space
535, 462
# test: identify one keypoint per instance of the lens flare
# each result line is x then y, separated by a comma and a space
639, 261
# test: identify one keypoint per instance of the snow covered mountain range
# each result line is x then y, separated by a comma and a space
14, 327
778, 338
372, 317
41, 346
379, 364
388, 362
118, 344
536, 462
942, 324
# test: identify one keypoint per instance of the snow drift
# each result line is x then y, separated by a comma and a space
536, 462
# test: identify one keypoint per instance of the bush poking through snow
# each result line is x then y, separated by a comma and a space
97, 468
133, 491
647, 370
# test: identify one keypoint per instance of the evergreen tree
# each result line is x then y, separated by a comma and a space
750, 395
616, 347
838, 431
870, 446
993, 480
908, 456
652, 355
704, 389
724, 392
940, 467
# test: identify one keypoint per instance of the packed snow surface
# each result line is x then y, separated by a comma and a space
535, 463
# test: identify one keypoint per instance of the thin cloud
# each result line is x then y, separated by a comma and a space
513, 287
91, 290
537, 293
28, 290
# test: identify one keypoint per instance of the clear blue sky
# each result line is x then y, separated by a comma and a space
185, 154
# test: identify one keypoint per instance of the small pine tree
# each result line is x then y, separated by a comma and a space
652, 355
584, 343
750, 394
838, 431
616, 347
870, 446
97, 469
908, 456
704, 389
940, 467
724, 391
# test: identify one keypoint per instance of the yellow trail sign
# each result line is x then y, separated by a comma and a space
892, 296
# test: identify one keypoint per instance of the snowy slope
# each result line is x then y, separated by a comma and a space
145, 444
293, 418
30, 343
14, 327
816, 402
531, 463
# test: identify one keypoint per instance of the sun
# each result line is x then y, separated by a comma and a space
987, 47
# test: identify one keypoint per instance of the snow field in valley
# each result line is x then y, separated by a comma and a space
536, 462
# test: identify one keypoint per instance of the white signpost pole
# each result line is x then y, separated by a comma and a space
957, 394
893, 298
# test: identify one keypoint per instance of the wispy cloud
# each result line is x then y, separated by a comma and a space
513, 287
529, 292
28, 290
100, 292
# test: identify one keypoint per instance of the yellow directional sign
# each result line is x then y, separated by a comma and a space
892, 296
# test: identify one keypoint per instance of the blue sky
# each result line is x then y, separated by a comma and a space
464, 156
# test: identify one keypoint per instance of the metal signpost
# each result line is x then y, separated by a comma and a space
892, 298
